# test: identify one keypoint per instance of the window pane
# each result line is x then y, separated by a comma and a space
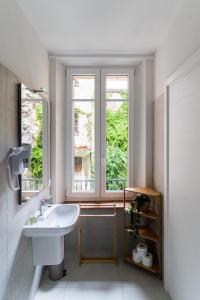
32, 130
83, 87
117, 87
83, 149
116, 145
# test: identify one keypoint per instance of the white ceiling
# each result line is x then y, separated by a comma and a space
134, 26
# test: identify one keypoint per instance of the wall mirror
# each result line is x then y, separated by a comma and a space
33, 129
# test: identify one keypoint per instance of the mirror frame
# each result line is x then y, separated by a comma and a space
46, 128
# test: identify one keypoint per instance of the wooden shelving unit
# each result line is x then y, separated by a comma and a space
150, 232
145, 232
154, 269
147, 214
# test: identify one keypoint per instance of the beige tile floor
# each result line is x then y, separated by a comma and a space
101, 282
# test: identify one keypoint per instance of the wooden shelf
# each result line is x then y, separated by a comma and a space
143, 190
150, 231
153, 269
94, 260
145, 233
147, 214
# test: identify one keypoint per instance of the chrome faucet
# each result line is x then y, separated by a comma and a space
43, 203
48, 200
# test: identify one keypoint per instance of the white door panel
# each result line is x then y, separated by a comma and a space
183, 189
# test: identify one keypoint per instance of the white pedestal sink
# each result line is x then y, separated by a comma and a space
48, 233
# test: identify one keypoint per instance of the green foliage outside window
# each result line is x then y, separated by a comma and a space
117, 147
37, 151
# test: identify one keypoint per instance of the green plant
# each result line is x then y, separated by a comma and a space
134, 222
140, 201
137, 205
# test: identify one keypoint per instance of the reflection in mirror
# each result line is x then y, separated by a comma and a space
33, 130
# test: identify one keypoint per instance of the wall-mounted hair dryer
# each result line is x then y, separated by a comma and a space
18, 159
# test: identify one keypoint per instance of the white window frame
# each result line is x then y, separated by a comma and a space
117, 71
82, 71
100, 141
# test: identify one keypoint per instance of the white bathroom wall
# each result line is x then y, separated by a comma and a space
58, 130
21, 50
18, 277
23, 53
143, 123
159, 143
180, 42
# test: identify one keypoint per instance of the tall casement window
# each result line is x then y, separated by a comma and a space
99, 131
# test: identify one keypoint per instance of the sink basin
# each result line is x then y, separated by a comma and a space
58, 220
48, 233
